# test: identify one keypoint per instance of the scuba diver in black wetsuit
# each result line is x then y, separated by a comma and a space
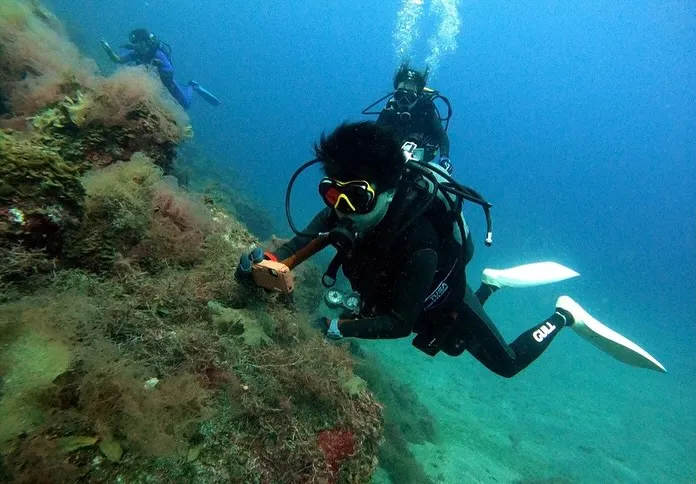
146, 49
413, 116
404, 246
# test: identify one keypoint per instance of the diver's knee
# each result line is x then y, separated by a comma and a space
454, 347
507, 371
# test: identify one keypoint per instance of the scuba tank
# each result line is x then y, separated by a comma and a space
166, 49
434, 180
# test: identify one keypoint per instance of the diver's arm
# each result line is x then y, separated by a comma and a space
112, 55
440, 134
322, 222
164, 66
412, 289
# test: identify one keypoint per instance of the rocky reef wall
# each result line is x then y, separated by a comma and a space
129, 352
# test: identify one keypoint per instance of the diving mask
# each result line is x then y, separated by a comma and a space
405, 99
141, 36
356, 196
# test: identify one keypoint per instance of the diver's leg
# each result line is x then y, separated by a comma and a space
488, 346
183, 95
484, 292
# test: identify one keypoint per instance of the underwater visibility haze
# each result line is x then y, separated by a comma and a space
131, 350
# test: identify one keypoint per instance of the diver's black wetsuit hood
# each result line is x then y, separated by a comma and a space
419, 185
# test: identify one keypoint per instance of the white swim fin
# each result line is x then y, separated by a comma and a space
607, 339
527, 275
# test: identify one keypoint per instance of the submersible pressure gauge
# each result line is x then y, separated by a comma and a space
333, 298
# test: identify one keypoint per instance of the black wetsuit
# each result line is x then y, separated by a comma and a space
421, 125
418, 284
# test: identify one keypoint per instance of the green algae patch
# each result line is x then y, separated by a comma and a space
35, 174
40, 193
31, 362
118, 208
73, 443
193, 453
240, 323
111, 449
354, 385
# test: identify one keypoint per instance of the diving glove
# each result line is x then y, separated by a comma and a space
329, 327
109, 51
246, 262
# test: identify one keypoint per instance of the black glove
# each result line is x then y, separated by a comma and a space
246, 262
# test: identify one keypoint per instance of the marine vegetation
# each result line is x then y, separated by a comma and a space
129, 353
47, 88
128, 349
139, 356
40, 193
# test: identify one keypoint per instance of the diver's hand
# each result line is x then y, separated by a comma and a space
328, 327
157, 62
109, 51
246, 261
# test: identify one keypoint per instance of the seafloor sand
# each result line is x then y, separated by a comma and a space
576, 416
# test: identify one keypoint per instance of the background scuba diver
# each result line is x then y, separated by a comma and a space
146, 49
401, 255
412, 115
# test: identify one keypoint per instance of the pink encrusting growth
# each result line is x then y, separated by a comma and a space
178, 228
337, 446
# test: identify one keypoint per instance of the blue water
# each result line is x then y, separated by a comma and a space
576, 120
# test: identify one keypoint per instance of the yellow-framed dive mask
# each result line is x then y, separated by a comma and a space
355, 196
